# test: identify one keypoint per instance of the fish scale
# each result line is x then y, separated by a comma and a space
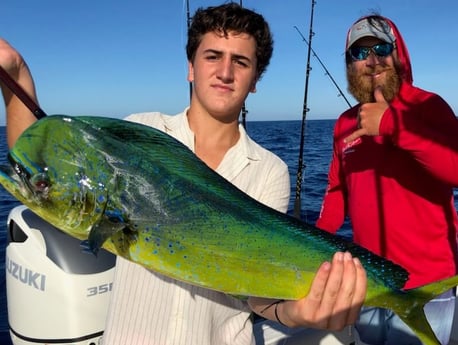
143, 195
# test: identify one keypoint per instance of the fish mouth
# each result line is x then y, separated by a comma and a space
21, 173
20, 180
11, 182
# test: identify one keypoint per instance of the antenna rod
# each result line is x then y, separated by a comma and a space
325, 69
301, 165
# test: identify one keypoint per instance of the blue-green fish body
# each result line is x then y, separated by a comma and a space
143, 195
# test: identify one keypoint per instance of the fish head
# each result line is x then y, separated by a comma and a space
51, 172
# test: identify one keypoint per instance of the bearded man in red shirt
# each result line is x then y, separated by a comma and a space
393, 170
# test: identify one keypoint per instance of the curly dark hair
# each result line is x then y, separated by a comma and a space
232, 17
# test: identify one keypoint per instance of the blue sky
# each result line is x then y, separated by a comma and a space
113, 58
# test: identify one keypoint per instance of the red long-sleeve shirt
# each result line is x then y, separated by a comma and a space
397, 188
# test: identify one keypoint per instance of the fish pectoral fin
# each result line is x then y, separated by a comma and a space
99, 234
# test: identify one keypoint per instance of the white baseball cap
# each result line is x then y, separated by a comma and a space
370, 27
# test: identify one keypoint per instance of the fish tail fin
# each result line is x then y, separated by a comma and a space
415, 316
418, 322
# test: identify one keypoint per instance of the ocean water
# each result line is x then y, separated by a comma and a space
281, 137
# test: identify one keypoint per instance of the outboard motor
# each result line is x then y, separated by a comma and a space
56, 293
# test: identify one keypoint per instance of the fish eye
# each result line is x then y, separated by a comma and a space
40, 182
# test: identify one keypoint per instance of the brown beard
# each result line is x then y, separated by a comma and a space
363, 89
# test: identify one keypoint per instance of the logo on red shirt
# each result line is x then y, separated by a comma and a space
349, 147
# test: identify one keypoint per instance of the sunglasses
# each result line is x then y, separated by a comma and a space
380, 50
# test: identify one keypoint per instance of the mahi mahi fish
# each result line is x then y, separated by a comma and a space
141, 194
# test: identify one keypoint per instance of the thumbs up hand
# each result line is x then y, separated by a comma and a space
369, 117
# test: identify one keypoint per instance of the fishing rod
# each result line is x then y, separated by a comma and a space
244, 111
21, 94
300, 164
325, 69
188, 22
